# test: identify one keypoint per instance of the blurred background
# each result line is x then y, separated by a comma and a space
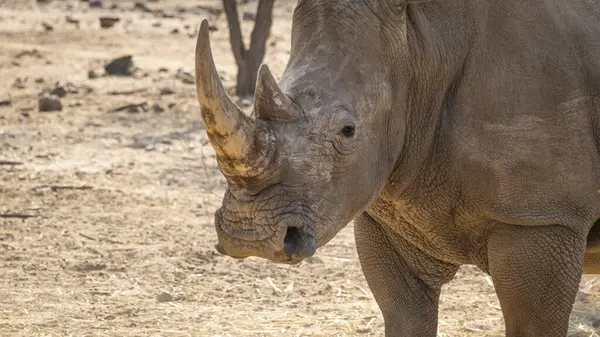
108, 186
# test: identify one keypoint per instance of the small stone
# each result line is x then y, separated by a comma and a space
164, 297
92, 75
71, 20
212, 28
48, 27
120, 66
59, 91
19, 83
166, 91
139, 5
185, 75
5, 102
157, 108
108, 21
248, 16
49, 102
175, 31
95, 4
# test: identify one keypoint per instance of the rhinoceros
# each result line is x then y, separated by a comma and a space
452, 132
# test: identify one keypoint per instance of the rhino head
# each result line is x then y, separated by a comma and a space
319, 146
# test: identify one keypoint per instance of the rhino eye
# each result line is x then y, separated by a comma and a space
348, 131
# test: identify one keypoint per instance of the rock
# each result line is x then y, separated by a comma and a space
185, 75
49, 102
59, 91
92, 74
157, 108
212, 28
95, 4
248, 16
164, 297
120, 66
71, 20
175, 31
165, 91
5, 102
19, 83
48, 27
108, 21
139, 5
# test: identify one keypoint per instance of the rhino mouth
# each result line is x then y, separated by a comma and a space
295, 245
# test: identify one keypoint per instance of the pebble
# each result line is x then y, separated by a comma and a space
164, 297
120, 66
48, 102
108, 21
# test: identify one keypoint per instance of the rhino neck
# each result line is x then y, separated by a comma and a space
438, 57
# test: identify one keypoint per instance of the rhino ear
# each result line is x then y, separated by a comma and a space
270, 103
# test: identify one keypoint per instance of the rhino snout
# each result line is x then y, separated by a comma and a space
291, 245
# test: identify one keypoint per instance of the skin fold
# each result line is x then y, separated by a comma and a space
453, 132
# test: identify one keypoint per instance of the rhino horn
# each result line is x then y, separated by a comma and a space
241, 146
270, 103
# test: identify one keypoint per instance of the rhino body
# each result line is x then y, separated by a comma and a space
452, 132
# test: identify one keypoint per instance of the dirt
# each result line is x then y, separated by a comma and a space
106, 203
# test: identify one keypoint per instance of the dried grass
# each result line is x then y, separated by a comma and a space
91, 262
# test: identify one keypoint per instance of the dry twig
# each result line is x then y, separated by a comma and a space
17, 216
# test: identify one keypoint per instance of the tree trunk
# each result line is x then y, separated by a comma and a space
248, 60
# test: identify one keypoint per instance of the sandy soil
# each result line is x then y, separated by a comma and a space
106, 225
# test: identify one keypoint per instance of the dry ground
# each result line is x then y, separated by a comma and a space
118, 239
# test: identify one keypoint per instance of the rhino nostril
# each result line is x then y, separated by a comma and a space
292, 239
298, 244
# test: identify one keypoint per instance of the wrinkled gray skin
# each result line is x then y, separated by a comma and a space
476, 141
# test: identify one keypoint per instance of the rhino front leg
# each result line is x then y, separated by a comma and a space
536, 273
405, 282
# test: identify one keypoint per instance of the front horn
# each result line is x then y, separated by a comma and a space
243, 147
